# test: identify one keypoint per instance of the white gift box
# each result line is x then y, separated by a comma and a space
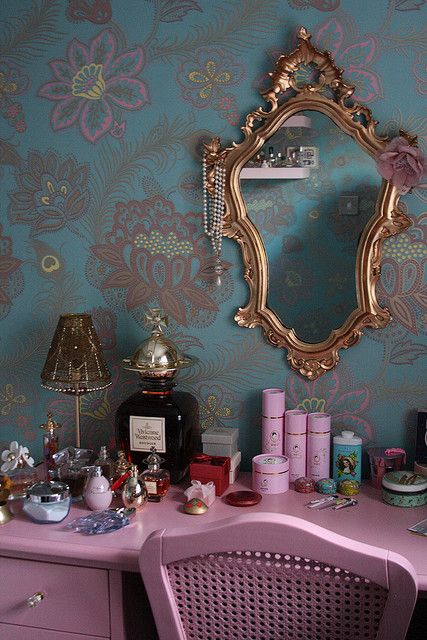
205, 492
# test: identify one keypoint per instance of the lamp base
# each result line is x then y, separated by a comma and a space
5, 513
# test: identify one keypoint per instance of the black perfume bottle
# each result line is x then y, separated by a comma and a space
156, 415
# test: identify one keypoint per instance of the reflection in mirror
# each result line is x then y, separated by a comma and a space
314, 234
310, 227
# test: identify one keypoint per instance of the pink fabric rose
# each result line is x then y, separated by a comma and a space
402, 164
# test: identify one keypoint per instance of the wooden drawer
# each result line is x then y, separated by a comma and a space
14, 632
76, 599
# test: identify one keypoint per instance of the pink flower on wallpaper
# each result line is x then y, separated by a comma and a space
52, 193
13, 82
204, 76
325, 394
402, 289
154, 254
96, 11
94, 82
354, 57
402, 164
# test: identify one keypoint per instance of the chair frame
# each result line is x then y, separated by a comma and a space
277, 533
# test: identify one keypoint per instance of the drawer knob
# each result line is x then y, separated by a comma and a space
35, 599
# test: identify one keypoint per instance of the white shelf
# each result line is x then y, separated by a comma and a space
269, 173
297, 121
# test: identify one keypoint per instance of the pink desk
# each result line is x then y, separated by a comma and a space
40, 550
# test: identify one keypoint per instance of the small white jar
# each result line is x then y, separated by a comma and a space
47, 502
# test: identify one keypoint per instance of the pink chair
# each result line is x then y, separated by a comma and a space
265, 576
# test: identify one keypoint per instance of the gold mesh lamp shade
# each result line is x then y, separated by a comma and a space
75, 363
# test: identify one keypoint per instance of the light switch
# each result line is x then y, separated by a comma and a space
349, 205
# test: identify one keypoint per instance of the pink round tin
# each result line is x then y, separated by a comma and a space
270, 474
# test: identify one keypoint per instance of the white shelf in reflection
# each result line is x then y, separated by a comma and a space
281, 173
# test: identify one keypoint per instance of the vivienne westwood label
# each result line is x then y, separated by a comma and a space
146, 433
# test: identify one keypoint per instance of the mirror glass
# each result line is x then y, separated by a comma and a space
311, 225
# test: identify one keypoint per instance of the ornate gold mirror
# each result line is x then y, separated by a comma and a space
313, 297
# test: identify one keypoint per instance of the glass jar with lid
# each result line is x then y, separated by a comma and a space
48, 501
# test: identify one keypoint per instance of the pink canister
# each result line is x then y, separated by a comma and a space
318, 445
296, 442
273, 410
270, 474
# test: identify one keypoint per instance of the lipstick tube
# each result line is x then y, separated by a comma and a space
273, 409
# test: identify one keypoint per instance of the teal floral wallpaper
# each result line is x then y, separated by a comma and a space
104, 105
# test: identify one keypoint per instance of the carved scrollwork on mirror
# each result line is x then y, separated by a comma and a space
306, 84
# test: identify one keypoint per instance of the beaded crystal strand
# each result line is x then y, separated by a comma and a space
213, 214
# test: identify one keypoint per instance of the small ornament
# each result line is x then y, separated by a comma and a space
243, 498
326, 485
348, 487
304, 485
15, 457
18, 464
195, 507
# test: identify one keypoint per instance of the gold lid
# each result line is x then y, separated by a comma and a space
50, 424
157, 356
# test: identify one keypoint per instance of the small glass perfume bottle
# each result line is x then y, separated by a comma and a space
106, 463
97, 492
50, 443
156, 480
121, 472
134, 494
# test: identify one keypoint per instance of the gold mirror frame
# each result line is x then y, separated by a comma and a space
311, 360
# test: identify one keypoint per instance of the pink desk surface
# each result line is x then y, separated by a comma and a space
371, 521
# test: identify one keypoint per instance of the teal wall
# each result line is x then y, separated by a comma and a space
103, 105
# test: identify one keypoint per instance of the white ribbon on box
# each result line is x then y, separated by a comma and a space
205, 492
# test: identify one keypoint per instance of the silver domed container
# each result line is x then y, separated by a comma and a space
157, 356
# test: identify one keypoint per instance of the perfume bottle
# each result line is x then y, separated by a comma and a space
106, 463
134, 494
97, 492
157, 415
156, 480
50, 443
121, 472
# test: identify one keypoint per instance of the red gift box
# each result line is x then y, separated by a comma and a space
214, 469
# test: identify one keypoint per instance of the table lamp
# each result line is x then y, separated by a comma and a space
75, 363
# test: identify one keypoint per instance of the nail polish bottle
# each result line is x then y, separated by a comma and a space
97, 492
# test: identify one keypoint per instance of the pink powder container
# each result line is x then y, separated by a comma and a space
270, 474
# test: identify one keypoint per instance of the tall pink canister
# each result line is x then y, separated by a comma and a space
318, 445
270, 474
273, 410
296, 442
